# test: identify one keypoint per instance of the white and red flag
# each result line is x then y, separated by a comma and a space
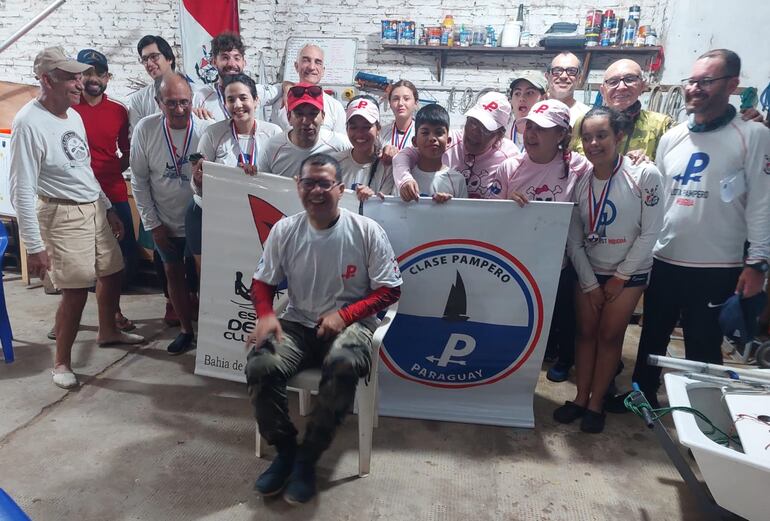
199, 22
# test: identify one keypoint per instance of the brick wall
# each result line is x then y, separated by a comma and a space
114, 27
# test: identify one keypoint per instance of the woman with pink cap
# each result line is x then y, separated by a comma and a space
476, 151
548, 171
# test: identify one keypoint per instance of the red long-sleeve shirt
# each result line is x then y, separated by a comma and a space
107, 132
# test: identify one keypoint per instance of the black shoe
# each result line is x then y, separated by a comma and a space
181, 344
302, 483
568, 412
614, 404
274, 479
592, 422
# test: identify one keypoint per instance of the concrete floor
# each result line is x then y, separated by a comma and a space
145, 439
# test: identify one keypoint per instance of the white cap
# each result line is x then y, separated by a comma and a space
493, 110
363, 107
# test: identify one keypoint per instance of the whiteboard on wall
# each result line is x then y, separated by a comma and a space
699, 25
6, 208
339, 59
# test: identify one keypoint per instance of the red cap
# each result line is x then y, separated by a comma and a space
305, 93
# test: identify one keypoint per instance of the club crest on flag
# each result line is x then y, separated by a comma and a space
449, 346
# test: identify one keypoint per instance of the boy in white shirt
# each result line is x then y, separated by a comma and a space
432, 177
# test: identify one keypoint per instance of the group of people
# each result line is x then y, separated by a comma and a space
680, 214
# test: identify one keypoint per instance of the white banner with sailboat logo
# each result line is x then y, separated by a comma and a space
480, 281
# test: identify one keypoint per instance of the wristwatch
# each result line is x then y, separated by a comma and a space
760, 266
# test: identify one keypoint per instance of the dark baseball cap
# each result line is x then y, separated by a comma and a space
93, 58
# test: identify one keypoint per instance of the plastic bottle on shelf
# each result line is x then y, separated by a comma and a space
448, 31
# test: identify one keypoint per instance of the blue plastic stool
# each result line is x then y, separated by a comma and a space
6, 336
9, 510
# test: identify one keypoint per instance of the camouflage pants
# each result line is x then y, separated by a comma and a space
343, 360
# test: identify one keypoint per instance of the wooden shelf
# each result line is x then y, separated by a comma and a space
442, 52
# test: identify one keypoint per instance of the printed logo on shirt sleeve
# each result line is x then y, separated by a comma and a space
767, 164
651, 196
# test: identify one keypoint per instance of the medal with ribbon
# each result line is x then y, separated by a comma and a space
596, 206
176, 159
399, 143
252, 155
221, 98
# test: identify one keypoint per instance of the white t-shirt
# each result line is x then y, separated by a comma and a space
141, 104
629, 225
206, 96
334, 114
400, 140
217, 145
49, 157
327, 269
355, 173
577, 111
162, 194
446, 180
716, 195
282, 157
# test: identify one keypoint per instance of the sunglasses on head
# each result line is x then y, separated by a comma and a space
314, 91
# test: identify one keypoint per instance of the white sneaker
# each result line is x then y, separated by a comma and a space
65, 380
124, 339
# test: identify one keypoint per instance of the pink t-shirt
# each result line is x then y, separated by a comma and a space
542, 182
480, 172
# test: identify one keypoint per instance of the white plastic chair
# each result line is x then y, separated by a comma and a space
306, 382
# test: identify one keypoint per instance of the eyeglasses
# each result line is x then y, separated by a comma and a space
313, 91
154, 56
172, 104
629, 80
325, 185
703, 83
558, 71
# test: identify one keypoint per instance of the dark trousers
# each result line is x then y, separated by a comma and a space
343, 360
128, 245
691, 295
561, 337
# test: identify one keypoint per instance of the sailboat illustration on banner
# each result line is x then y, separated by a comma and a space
456, 304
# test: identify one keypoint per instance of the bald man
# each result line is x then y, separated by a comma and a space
621, 88
310, 68
562, 76
160, 162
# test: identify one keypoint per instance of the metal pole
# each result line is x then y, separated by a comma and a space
761, 376
32, 23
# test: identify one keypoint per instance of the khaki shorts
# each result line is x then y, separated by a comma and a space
79, 243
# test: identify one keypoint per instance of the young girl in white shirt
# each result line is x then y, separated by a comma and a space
403, 99
615, 224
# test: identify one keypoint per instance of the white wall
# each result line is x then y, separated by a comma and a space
114, 27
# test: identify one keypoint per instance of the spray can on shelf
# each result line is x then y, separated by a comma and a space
629, 32
608, 24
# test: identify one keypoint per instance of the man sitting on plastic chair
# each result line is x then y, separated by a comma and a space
341, 271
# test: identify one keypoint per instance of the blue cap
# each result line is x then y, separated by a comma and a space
738, 318
93, 58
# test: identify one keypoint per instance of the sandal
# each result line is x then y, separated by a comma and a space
124, 324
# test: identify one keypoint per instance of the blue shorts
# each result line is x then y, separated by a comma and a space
640, 279
176, 255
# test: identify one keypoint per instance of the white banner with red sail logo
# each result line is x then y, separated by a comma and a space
199, 22
480, 281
